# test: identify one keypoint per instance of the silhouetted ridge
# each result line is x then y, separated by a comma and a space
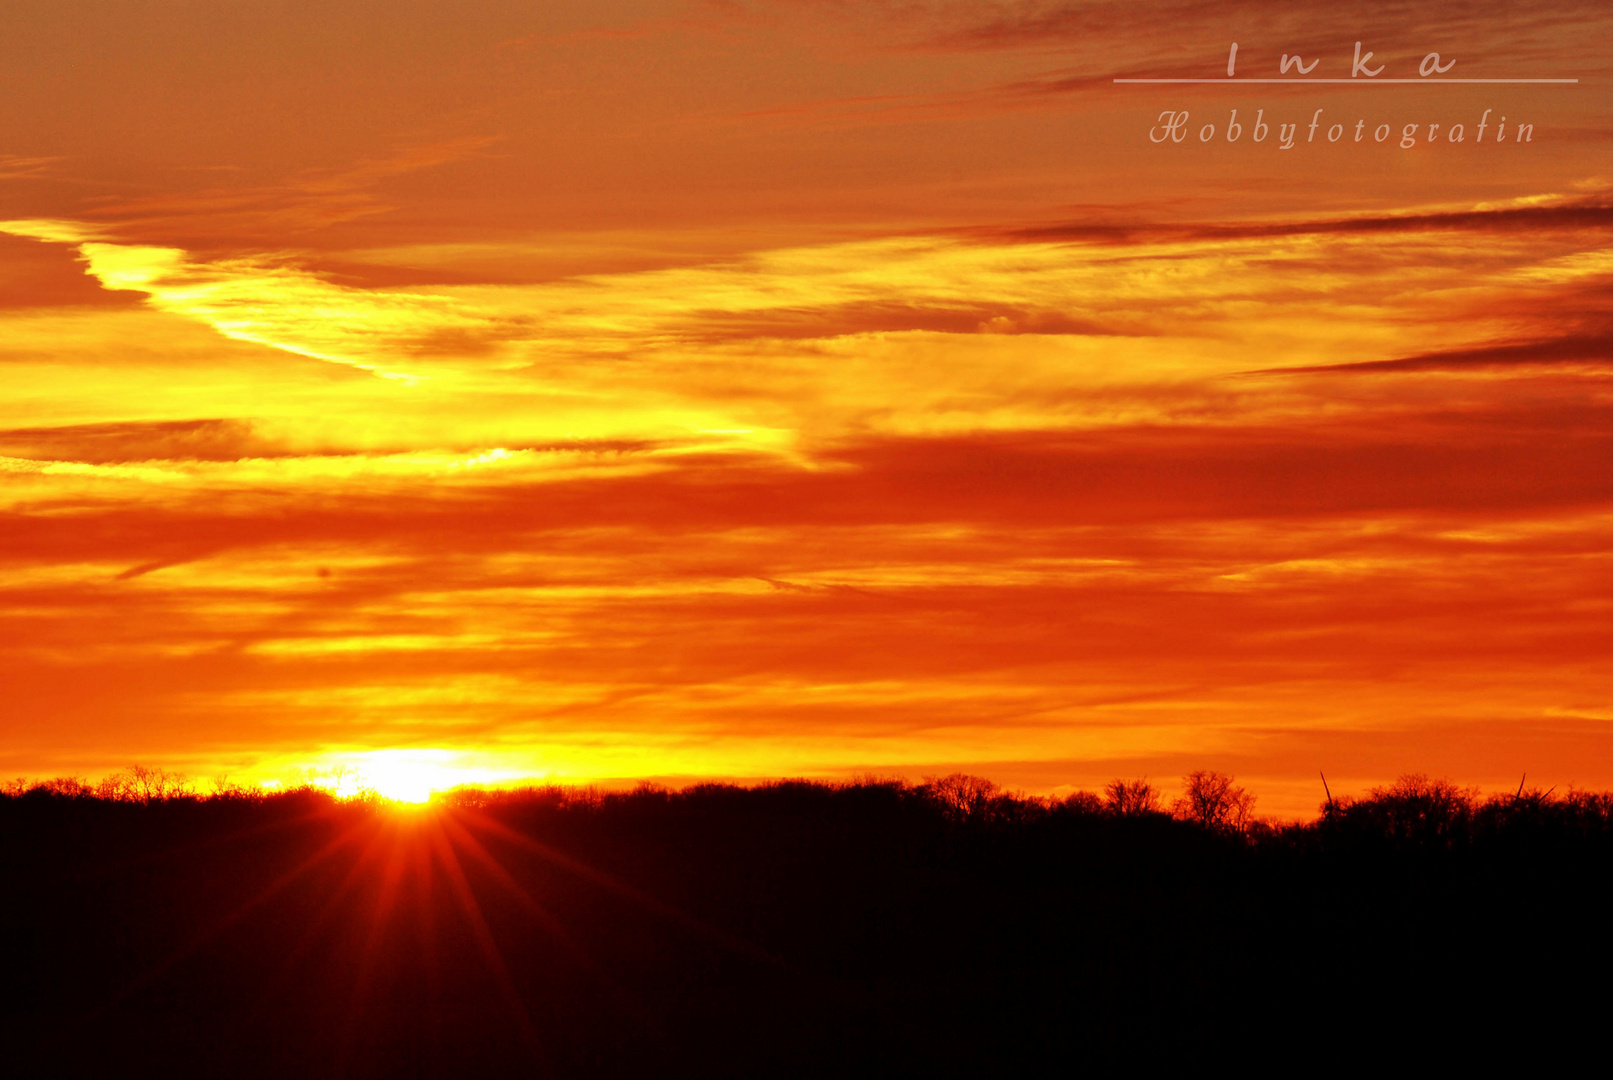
789, 929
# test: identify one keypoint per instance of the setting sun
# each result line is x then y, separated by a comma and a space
407, 776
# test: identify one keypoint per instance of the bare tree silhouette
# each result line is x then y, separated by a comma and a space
1212, 800
143, 784
962, 796
1085, 802
1131, 798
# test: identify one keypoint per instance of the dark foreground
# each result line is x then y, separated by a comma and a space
792, 930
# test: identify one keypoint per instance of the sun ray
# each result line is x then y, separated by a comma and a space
461, 838
620, 888
465, 897
216, 929
427, 919
401, 840
358, 874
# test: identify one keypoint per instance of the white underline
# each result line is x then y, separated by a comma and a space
1352, 82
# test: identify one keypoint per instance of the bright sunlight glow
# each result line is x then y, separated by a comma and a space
409, 776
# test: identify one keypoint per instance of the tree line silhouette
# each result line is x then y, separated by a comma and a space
792, 928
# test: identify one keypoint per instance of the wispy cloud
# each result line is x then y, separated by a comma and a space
13, 167
304, 202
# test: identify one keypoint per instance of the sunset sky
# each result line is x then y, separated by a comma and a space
740, 390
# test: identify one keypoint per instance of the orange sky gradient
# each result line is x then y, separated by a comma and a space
745, 390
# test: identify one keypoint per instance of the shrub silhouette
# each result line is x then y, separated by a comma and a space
1418, 811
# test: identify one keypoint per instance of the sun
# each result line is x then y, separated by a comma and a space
409, 776
406, 775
